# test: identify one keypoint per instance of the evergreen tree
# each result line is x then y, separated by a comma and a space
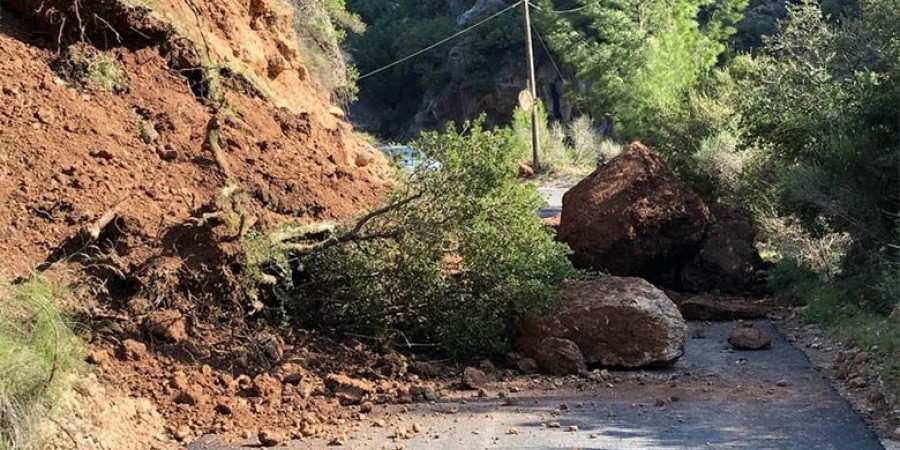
638, 58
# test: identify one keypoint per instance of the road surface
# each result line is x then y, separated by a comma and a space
714, 398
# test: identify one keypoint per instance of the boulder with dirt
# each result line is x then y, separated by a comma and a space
618, 322
728, 260
632, 217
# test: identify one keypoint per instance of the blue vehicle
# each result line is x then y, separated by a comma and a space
408, 158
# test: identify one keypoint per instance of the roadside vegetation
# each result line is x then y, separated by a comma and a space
449, 265
37, 350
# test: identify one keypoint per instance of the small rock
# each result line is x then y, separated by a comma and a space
699, 333
512, 431
527, 366
573, 428
749, 338
473, 378
781, 383
366, 407
858, 382
183, 433
553, 424
486, 366
271, 438
133, 350
896, 434
349, 391
191, 396
338, 440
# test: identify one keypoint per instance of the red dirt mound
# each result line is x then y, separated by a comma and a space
107, 171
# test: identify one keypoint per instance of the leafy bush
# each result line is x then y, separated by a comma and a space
36, 348
455, 259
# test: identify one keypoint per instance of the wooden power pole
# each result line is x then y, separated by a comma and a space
529, 50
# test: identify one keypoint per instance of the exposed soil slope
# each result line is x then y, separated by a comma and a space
107, 173
70, 155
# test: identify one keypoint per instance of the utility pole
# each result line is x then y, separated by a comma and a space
529, 50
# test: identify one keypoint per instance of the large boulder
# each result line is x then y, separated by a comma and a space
617, 322
728, 261
632, 217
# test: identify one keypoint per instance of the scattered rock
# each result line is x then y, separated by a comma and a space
182, 433
749, 338
781, 383
167, 325
473, 378
191, 396
271, 438
614, 321
527, 366
698, 333
573, 428
560, 356
632, 217
858, 382
349, 391
366, 407
487, 366
133, 350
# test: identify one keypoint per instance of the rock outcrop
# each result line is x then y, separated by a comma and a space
632, 217
618, 322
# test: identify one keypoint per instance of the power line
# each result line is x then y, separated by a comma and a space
547, 51
442, 41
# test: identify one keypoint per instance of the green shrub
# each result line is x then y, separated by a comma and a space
37, 347
451, 264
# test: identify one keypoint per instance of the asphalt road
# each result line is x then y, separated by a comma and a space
714, 398
553, 196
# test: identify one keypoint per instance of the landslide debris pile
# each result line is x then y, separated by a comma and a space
141, 144
632, 217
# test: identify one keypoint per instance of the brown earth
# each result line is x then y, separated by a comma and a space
110, 189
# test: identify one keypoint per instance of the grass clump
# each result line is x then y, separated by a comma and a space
37, 346
90, 68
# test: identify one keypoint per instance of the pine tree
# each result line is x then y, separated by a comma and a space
636, 59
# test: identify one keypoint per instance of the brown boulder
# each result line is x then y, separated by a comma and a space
625, 322
473, 378
560, 356
728, 260
271, 438
749, 338
632, 217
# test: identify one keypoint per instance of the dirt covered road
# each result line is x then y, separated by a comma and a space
714, 398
